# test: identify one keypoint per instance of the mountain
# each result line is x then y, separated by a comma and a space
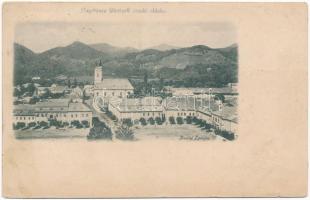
76, 50
195, 66
112, 50
164, 47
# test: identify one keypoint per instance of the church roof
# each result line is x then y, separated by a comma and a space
114, 84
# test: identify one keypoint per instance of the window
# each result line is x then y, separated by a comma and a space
143, 114
112, 93
24, 118
97, 93
61, 108
71, 115
76, 115
42, 115
64, 115
32, 118
86, 115
105, 94
82, 115
152, 114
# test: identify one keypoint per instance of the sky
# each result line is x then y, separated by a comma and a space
40, 37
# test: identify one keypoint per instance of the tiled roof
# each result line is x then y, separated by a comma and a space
136, 105
23, 110
77, 107
58, 89
53, 103
114, 84
188, 103
228, 113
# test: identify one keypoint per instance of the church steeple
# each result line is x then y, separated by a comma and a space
98, 73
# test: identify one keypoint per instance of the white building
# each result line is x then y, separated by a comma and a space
135, 109
56, 109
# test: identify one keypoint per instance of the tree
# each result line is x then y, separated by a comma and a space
99, 131
171, 120
151, 121
43, 123
20, 125
189, 120
143, 121
202, 123
85, 123
32, 124
220, 97
128, 122
158, 121
124, 133
180, 120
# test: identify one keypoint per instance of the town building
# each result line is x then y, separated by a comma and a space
53, 109
135, 109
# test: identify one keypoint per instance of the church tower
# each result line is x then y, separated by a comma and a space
98, 73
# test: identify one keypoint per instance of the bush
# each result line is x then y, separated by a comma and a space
151, 121
143, 121
180, 120
65, 124
124, 133
171, 120
158, 121
128, 122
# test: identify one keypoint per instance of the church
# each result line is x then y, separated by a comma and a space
110, 87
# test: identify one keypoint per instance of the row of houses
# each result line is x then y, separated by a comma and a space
222, 116
53, 109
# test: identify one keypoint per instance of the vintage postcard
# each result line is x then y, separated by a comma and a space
154, 100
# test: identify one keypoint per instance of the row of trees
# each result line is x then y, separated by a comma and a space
46, 125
